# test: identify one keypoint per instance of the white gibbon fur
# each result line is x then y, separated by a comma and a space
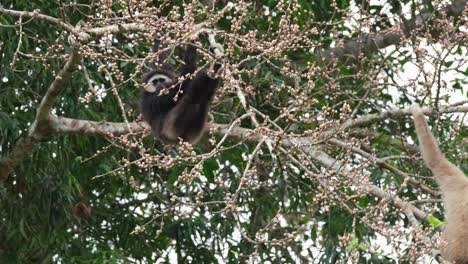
454, 186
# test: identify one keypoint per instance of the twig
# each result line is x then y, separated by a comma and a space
35, 14
402, 175
19, 41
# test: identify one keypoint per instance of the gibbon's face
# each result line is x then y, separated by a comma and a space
158, 80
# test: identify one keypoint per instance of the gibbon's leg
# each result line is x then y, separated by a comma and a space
169, 127
193, 122
448, 175
186, 121
156, 125
201, 95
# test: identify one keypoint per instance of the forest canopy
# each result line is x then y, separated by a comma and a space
311, 155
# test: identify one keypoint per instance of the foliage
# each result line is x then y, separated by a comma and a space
82, 197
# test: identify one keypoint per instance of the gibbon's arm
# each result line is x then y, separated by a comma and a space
190, 60
203, 90
162, 57
447, 174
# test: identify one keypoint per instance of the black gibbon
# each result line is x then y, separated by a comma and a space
454, 186
173, 108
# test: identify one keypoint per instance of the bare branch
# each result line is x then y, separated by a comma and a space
80, 35
57, 85
35, 14
402, 175
67, 125
118, 29
369, 43
395, 113
86, 127
407, 208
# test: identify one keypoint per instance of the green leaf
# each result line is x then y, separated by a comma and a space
174, 175
313, 233
434, 222
353, 244
209, 169
448, 64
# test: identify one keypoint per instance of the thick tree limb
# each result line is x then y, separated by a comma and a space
118, 29
86, 127
67, 125
366, 44
56, 87
369, 43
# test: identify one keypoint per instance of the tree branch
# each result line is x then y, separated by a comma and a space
86, 127
57, 85
369, 43
330, 163
402, 175
67, 125
407, 208
395, 113
118, 29
81, 35
55, 21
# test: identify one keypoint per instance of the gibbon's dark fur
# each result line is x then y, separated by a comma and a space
173, 108
454, 186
